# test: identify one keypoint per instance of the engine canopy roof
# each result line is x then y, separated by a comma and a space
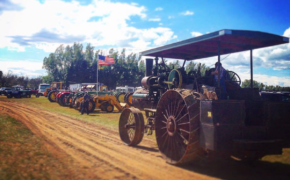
208, 45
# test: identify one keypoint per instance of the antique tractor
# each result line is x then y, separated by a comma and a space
54, 89
187, 113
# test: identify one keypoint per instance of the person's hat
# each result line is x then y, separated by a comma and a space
218, 63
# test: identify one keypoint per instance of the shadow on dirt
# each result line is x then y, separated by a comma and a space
104, 112
231, 169
147, 148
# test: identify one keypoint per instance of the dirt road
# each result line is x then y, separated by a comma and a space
94, 152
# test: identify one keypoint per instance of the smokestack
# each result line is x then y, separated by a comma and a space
149, 67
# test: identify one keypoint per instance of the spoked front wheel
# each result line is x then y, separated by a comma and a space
131, 126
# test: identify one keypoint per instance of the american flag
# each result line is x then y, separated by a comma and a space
109, 60
102, 60
106, 60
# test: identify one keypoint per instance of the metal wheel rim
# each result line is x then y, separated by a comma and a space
52, 96
109, 108
121, 98
131, 126
177, 126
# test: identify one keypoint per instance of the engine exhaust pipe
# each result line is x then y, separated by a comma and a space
149, 67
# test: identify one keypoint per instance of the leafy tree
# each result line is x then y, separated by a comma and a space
247, 83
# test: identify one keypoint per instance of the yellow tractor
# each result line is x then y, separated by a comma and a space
105, 103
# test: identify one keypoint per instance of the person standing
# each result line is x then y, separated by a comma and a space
220, 70
85, 103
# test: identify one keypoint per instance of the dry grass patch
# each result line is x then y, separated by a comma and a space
24, 156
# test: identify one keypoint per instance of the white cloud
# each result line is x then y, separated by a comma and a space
187, 13
30, 68
287, 32
160, 24
55, 22
159, 9
270, 80
170, 17
155, 19
195, 34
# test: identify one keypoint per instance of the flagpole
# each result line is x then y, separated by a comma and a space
98, 76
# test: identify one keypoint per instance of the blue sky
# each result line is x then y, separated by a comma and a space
31, 29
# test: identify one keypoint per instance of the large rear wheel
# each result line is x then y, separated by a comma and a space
120, 97
109, 108
177, 126
131, 126
52, 96
92, 105
76, 104
128, 99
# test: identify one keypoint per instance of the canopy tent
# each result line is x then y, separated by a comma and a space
216, 43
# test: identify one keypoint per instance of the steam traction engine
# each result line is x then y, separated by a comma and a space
188, 115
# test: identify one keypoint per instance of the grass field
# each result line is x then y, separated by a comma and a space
23, 155
109, 120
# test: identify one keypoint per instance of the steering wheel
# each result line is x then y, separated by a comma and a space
232, 77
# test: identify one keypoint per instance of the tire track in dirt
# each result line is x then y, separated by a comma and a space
97, 150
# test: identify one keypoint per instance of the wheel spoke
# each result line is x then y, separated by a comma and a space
164, 116
166, 113
164, 134
184, 130
183, 138
165, 141
180, 124
232, 77
181, 118
179, 103
180, 112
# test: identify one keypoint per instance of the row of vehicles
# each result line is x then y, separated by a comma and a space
17, 92
100, 97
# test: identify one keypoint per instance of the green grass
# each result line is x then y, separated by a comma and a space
22, 154
109, 120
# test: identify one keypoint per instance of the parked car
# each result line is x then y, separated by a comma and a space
17, 92
3, 90
33, 91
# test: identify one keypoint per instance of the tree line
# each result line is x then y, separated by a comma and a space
262, 87
76, 64
9, 79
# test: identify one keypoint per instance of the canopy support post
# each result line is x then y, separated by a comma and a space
184, 62
219, 61
251, 59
